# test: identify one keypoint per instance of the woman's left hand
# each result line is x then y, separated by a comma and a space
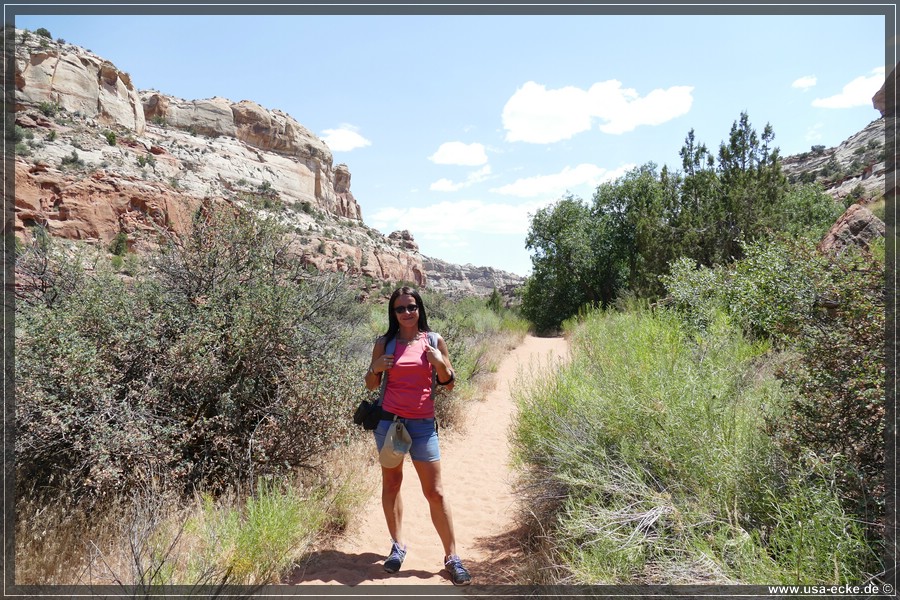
434, 355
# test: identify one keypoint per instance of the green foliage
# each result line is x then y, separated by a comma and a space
770, 293
803, 536
110, 137
48, 109
805, 211
16, 134
647, 460
72, 160
639, 224
51, 136
224, 362
495, 301
119, 244
572, 263
828, 311
43, 33
256, 543
144, 160
839, 376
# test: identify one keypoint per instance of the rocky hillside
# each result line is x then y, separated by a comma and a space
96, 158
855, 168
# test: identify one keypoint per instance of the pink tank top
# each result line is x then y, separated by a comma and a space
408, 391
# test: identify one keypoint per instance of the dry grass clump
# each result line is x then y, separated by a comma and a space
236, 538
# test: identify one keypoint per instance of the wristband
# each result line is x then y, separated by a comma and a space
449, 381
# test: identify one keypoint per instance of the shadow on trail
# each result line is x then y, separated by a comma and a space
503, 554
334, 567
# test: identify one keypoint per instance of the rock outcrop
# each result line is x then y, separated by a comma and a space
857, 163
70, 78
468, 280
99, 158
857, 226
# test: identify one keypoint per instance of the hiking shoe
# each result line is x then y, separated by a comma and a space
458, 573
395, 558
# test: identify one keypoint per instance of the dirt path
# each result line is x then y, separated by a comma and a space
477, 485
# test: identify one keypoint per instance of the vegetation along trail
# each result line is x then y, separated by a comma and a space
478, 484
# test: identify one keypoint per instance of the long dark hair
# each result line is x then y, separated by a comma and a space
394, 323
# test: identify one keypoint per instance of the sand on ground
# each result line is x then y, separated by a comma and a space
478, 485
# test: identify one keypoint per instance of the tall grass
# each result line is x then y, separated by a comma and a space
647, 458
153, 539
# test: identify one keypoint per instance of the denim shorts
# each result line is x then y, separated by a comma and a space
424, 438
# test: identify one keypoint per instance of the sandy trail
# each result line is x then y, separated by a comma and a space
477, 484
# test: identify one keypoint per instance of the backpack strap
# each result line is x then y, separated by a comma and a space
388, 349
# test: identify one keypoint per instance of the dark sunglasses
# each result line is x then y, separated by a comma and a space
408, 308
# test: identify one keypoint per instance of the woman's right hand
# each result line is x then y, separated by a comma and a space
383, 363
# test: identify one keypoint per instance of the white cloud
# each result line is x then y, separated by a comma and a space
447, 221
445, 185
345, 138
567, 179
538, 115
458, 153
805, 82
858, 92
814, 133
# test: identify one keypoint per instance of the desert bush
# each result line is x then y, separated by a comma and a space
828, 313
48, 109
839, 374
647, 460
119, 244
770, 293
72, 160
224, 362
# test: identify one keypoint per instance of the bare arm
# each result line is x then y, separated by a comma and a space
440, 358
381, 362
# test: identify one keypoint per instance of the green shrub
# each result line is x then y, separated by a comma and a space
110, 137
43, 33
119, 244
144, 160
771, 292
839, 375
48, 109
648, 460
206, 371
16, 134
72, 160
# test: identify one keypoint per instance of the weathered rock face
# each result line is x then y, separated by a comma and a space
467, 280
857, 226
75, 80
857, 161
97, 206
102, 159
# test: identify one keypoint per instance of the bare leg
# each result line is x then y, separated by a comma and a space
430, 476
391, 501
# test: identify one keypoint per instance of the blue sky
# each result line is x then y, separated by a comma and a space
457, 128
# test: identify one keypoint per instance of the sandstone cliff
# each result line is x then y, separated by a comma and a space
98, 158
